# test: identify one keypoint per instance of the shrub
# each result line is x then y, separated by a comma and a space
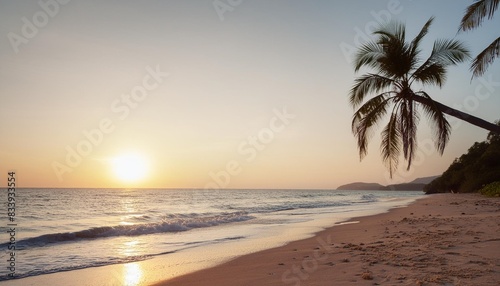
491, 190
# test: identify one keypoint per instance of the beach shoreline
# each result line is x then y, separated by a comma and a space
444, 239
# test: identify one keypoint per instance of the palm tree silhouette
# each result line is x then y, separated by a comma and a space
398, 65
473, 18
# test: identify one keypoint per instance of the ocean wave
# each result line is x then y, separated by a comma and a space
371, 198
289, 206
176, 224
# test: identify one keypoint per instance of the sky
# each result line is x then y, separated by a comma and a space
212, 94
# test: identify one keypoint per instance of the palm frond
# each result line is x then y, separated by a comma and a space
414, 45
396, 61
408, 120
444, 53
485, 58
440, 126
391, 142
392, 31
366, 117
366, 84
425, 29
476, 12
368, 55
434, 74
449, 52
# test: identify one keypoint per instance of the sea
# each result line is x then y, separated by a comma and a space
60, 230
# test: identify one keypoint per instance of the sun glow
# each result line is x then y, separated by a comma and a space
130, 167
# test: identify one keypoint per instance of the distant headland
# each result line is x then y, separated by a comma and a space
415, 185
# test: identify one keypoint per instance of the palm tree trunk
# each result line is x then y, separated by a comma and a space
460, 115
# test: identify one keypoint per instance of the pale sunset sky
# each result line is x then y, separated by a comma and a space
190, 94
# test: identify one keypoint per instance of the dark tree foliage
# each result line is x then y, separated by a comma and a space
478, 167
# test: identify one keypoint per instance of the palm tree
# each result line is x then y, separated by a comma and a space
398, 65
473, 18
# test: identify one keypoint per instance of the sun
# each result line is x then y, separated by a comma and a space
130, 167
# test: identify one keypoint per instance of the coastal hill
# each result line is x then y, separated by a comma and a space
424, 180
360, 186
415, 185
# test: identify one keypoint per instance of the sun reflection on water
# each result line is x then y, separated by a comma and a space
129, 209
129, 248
132, 274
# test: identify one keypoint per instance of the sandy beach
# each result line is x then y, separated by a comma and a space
446, 239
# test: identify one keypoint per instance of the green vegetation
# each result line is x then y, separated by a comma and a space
491, 190
473, 171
